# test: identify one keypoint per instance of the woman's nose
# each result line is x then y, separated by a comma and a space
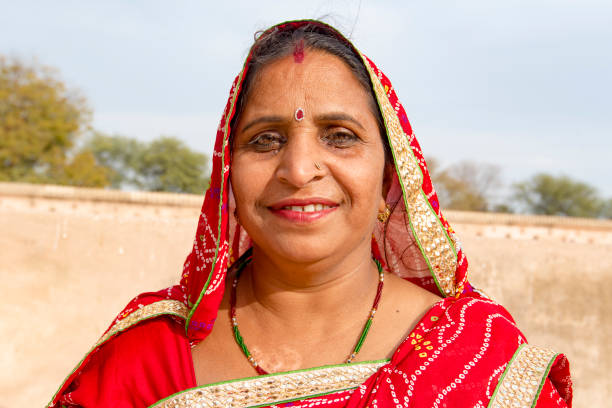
298, 163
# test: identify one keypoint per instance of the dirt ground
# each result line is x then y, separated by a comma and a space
69, 263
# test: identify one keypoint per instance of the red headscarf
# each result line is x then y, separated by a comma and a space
417, 243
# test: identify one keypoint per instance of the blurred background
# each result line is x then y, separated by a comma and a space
510, 102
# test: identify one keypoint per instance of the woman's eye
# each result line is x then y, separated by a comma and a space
266, 142
341, 139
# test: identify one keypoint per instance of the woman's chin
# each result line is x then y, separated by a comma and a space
306, 241
301, 250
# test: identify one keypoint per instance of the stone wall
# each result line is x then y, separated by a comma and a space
72, 258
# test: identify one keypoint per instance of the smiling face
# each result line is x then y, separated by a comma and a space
308, 189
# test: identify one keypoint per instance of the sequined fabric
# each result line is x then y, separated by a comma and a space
523, 378
274, 389
163, 307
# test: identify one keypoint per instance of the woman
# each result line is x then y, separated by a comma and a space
346, 286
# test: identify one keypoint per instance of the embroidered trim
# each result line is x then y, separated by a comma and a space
435, 245
274, 388
171, 307
523, 378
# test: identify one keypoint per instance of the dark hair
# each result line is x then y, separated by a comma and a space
278, 42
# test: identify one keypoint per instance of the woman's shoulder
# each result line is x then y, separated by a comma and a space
474, 308
481, 321
144, 349
473, 343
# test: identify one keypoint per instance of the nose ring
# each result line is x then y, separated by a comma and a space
317, 165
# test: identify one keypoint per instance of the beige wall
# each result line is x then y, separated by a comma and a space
70, 259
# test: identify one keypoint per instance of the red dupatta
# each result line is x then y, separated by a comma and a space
418, 245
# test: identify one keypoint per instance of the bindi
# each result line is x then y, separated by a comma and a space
298, 52
299, 114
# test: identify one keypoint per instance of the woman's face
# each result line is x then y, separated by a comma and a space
308, 189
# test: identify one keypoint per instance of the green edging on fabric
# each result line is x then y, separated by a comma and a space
386, 360
414, 234
303, 370
91, 350
267, 404
448, 239
544, 377
418, 242
302, 398
439, 221
68, 376
501, 378
225, 141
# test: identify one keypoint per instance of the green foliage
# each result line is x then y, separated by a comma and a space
119, 155
83, 171
558, 195
39, 122
165, 164
466, 185
168, 165
502, 208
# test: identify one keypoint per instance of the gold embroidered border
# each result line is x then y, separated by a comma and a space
522, 380
275, 388
172, 307
435, 245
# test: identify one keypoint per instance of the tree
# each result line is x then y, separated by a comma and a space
83, 171
465, 185
165, 164
558, 195
168, 165
119, 155
39, 122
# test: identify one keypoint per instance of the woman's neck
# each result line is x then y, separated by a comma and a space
326, 292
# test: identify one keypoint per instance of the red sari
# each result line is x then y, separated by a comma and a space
465, 351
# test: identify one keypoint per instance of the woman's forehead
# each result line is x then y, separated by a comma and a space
319, 81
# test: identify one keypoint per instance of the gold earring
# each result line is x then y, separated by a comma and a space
384, 216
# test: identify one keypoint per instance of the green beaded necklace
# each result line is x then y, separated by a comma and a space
247, 353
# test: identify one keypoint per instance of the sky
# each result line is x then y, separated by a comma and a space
525, 85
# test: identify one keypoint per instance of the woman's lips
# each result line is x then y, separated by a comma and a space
301, 211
